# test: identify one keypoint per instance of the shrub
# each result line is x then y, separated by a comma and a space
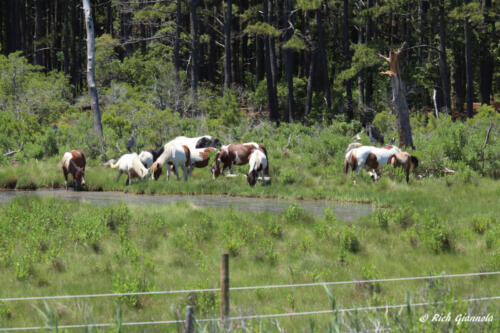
349, 240
294, 213
481, 223
117, 216
289, 176
382, 218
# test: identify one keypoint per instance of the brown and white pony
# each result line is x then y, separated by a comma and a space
258, 163
131, 165
173, 155
237, 155
369, 157
406, 161
73, 162
200, 157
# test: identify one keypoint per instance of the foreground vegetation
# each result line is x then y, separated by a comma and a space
54, 247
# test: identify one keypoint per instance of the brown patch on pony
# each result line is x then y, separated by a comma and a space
354, 162
388, 147
187, 152
205, 155
371, 161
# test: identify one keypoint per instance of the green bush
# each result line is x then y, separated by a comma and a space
349, 240
294, 213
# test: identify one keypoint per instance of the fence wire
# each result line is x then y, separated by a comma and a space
258, 316
296, 285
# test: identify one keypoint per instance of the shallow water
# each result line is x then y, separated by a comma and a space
345, 211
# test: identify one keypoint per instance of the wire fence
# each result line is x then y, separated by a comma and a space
296, 285
258, 316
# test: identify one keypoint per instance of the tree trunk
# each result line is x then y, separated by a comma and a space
66, 40
323, 61
268, 58
194, 49
368, 72
468, 65
487, 63
94, 99
126, 23
310, 76
271, 48
177, 42
347, 54
443, 63
399, 104
260, 67
289, 58
227, 46
38, 34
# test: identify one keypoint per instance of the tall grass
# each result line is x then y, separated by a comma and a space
52, 247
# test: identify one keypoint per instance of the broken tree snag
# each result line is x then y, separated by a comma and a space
399, 104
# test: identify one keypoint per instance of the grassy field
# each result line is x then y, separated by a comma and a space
53, 247
438, 224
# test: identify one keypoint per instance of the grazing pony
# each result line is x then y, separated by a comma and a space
236, 154
73, 162
132, 166
406, 161
175, 155
199, 157
369, 157
258, 163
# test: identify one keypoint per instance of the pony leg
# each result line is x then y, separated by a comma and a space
65, 179
168, 172
262, 172
119, 175
185, 171
177, 173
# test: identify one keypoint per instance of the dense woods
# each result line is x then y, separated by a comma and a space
309, 61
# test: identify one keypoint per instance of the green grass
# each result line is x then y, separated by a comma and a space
53, 247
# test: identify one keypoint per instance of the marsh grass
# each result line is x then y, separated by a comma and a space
52, 246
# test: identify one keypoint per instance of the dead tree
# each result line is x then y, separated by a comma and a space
94, 100
399, 104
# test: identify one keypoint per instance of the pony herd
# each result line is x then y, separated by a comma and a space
181, 153
187, 153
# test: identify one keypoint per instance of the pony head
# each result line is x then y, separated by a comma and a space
252, 178
79, 173
79, 176
155, 171
207, 141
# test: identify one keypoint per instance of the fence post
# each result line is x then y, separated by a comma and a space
189, 324
224, 288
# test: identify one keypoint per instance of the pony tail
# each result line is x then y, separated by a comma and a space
346, 167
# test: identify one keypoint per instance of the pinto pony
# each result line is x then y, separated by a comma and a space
237, 155
369, 157
406, 161
175, 155
200, 157
258, 163
132, 166
73, 162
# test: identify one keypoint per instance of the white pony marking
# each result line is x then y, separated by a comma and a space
257, 162
146, 158
177, 156
132, 166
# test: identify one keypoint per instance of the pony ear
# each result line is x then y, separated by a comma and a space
393, 161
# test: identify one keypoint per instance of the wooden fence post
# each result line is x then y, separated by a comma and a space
224, 289
189, 324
